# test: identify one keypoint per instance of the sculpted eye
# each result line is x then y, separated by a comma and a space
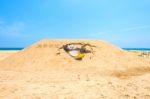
78, 50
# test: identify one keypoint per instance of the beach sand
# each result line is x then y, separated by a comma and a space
38, 72
4, 53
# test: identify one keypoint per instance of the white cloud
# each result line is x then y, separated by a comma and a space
1, 21
95, 33
74, 2
120, 33
11, 29
136, 28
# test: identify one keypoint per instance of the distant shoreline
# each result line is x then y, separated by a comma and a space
137, 49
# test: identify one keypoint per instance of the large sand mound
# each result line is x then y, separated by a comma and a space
39, 72
42, 56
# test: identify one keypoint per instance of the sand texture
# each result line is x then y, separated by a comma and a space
4, 54
43, 71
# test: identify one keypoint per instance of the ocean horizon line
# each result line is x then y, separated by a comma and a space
20, 48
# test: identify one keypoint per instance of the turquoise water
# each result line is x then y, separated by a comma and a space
140, 49
11, 48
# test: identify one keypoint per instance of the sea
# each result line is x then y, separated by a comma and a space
11, 48
136, 49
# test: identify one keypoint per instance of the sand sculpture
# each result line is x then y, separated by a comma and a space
78, 50
48, 69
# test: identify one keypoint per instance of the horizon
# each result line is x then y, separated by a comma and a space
123, 23
20, 48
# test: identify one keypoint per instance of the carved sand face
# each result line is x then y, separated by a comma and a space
77, 50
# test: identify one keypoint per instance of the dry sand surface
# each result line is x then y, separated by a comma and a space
39, 72
4, 54
144, 54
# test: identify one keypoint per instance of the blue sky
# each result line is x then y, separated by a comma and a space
125, 23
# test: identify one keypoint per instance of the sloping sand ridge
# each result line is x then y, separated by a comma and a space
39, 71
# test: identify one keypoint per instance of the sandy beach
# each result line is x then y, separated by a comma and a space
4, 53
39, 72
